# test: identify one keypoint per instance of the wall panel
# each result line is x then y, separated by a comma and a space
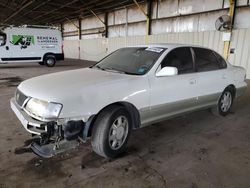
93, 49
71, 49
241, 44
92, 22
167, 8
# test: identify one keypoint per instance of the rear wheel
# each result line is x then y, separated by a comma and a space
225, 102
111, 132
49, 60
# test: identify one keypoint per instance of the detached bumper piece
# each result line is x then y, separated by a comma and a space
50, 150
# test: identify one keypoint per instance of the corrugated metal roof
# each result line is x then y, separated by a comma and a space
37, 12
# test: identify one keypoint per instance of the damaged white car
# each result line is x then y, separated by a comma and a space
129, 89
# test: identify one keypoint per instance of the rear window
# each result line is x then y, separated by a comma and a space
221, 61
206, 60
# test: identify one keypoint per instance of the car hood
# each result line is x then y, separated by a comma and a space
52, 87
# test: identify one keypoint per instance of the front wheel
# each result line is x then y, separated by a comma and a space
111, 132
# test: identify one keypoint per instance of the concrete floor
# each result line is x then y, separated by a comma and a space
196, 150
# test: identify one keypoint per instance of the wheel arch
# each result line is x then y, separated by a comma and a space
133, 111
233, 88
48, 53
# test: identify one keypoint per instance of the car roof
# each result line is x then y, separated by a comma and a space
168, 45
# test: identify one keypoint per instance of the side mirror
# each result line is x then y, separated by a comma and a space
167, 71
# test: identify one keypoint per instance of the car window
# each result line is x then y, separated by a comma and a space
2, 39
221, 61
181, 58
205, 60
135, 60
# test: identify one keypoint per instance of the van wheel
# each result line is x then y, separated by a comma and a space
49, 60
111, 131
41, 63
225, 103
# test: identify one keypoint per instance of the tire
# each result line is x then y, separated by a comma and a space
49, 60
111, 132
41, 63
225, 102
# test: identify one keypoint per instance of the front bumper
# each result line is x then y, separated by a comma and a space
31, 125
53, 140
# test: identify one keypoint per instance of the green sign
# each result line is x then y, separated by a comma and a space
22, 40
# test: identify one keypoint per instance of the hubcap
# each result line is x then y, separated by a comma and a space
226, 101
50, 61
118, 132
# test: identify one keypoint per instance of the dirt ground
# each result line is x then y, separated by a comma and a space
197, 150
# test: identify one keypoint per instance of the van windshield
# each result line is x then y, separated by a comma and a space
2, 39
134, 60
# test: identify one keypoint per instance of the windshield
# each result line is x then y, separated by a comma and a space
2, 39
136, 61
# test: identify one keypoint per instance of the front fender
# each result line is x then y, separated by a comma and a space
89, 101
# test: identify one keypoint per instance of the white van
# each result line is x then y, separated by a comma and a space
31, 44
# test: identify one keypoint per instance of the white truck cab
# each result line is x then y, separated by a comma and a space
30, 44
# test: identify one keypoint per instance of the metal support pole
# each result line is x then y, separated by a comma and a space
148, 20
72, 23
106, 24
80, 28
149, 11
231, 13
77, 26
61, 25
97, 17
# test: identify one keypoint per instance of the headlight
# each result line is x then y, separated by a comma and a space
43, 109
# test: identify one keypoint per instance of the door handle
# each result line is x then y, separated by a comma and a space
192, 81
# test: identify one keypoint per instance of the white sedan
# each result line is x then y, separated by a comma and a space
129, 89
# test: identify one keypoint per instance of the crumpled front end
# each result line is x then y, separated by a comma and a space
55, 137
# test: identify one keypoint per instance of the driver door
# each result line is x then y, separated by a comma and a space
172, 95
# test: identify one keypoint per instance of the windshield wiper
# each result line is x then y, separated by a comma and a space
97, 66
113, 70
120, 71
106, 69
110, 69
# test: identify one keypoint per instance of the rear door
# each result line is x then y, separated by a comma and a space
211, 76
172, 95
